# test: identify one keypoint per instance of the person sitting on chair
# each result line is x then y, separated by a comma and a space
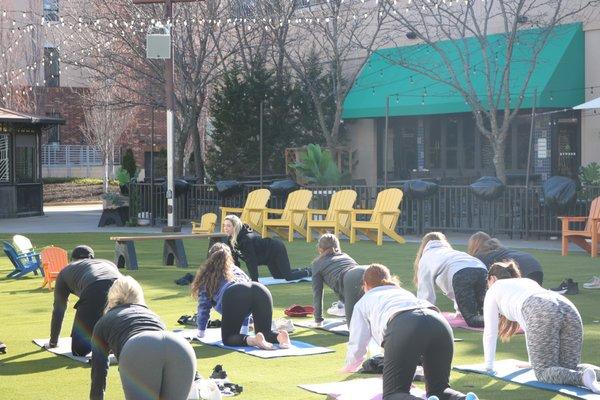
89, 279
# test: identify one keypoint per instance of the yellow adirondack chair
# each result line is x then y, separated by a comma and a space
293, 216
206, 225
337, 216
252, 213
384, 218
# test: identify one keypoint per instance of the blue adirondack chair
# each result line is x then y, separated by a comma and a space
24, 263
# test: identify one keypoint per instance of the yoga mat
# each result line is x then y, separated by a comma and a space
507, 370
212, 337
459, 322
355, 389
333, 325
64, 349
272, 281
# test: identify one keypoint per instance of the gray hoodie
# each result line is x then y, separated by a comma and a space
329, 268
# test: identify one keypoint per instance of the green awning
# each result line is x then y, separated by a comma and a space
559, 75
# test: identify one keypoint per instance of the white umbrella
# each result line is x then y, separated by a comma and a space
588, 105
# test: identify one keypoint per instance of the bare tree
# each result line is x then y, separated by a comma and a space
105, 122
482, 62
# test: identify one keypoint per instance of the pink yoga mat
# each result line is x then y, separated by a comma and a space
459, 322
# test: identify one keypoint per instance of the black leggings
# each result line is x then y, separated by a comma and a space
470, 285
412, 337
239, 300
90, 308
279, 263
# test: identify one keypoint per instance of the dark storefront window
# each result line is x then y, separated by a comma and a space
26, 159
4, 158
452, 143
434, 145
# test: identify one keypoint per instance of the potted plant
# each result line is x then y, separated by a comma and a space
113, 201
143, 218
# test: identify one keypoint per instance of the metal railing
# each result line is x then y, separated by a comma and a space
74, 155
519, 213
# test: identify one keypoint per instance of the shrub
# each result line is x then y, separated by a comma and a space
590, 174
318, 167
128, 162
123, 176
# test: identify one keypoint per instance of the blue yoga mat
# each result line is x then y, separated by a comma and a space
507, 370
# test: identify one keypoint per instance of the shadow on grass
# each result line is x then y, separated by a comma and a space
11, 367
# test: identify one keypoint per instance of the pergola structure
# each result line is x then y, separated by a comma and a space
21, 190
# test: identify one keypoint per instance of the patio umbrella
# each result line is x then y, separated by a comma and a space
588, 105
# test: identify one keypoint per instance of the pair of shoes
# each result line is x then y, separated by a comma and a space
216, 323
282, 324
188, 320
218, 372
299, 311
568, 286
337, 308
185, 280
308, 272
229, 389
594, 283
2, 348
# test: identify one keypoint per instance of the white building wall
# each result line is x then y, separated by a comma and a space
590, 119
363, 139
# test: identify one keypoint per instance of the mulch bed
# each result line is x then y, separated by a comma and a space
72, 193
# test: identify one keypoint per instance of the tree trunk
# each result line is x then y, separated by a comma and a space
198, 160
105, 183
498, 144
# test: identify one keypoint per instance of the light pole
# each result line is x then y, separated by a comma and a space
385, 141
261, 141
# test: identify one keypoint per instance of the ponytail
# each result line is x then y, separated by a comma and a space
379, 275
505, 270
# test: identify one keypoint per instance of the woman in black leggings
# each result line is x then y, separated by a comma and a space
247, 245
409, 329
219, 283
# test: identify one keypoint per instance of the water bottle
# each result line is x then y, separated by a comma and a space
471, 396
433, 398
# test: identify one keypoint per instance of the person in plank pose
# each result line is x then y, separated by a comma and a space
153, 362
249, 246
490, 250
340, 272
411, 331
460, 276
552, 325
219, 283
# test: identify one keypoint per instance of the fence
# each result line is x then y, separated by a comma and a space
519, 213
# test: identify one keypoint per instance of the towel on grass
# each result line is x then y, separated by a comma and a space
355, 389
64, 349
272, 281
459, 322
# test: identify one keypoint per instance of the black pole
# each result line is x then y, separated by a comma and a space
529, 164
385, 142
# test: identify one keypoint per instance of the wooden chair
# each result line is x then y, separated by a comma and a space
207, 224
337, 216
293, 216
252, 213
591, 230
54, 259
384, 218
22, 244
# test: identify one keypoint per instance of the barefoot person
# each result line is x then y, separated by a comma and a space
340, 272
153, 363
552, 325
89, 279
411, 332
247, 245
220, 284
490, 250
460, 276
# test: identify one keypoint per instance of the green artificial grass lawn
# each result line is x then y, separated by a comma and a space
28, 372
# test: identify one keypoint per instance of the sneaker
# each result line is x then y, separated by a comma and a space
568, 286
218, 372
594, 283
282, 324
185, 280
337, 308
2, 348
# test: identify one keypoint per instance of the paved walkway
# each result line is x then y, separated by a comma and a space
84, 218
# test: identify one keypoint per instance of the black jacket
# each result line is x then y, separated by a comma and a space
252, 249
527, 263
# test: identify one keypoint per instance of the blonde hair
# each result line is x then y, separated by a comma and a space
426, 239
505, 270
124, 290
237, 224
218, 267
481, 243
379, 275
329, 243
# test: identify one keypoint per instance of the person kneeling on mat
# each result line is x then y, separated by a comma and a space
552, 325
89, 279
409, 329
221, 284
153, 363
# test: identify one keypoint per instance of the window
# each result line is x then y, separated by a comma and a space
434, 151
54, 131
26, 158
51, 10
452, 143
468, 143
4, 160
51, 67
523, 144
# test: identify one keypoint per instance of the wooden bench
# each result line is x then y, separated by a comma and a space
173, 250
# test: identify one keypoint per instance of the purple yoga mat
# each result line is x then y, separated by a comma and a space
459, 322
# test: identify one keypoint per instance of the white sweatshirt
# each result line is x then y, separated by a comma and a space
371, 315
506, 297
439, 262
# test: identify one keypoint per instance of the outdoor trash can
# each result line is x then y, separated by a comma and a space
559, 192
418, 189
487, 188
229, 188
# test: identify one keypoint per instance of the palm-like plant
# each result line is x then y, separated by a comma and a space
318, 167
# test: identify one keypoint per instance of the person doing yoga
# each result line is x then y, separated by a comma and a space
247, 245
220, 283
89, 279
490, 250
552, 325
460, 276
337, 270
153, 363
411, 331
